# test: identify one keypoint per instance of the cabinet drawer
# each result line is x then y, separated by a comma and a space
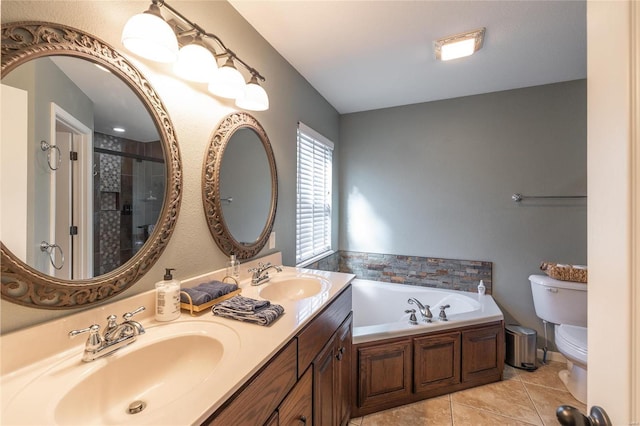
297, 408
314, 336
256, 402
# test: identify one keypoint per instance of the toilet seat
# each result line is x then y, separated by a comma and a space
571, 341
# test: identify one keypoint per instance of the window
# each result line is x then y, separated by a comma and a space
313, 205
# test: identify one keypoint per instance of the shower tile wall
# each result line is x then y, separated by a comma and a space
122, 182
449, 274
107, 213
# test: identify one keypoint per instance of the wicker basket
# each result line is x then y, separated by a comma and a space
565, 272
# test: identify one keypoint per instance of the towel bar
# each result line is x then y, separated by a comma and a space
519, 197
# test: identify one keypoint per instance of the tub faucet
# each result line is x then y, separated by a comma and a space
260, 274
424, 309
443, 314
114, 337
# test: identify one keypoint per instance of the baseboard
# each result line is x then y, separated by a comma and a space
551, 356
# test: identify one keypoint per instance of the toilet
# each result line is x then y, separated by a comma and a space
564, 303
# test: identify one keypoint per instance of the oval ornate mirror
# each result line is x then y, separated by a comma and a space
91, 209
240, 186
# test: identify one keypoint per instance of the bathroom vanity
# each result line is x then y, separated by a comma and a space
194, 370
308, 379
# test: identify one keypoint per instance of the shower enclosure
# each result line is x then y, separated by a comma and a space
129, 180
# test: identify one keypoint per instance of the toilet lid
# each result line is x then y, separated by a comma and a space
573, 336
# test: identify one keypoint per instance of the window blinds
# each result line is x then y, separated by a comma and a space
313, 206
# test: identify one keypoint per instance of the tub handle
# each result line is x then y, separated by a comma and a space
412, 318
443, 314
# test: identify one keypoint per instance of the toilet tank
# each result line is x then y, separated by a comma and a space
559, 302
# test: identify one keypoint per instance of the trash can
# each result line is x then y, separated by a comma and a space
520, 345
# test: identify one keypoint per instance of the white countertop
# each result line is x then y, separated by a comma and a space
23, 360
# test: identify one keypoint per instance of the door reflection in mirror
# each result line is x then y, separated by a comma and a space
101, 204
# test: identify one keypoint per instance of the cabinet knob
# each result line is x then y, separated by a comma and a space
303, 419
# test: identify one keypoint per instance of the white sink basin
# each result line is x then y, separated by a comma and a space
167, 363
294, 287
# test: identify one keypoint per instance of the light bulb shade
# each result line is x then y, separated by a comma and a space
254, 97
149, 36
195, 63
227, 82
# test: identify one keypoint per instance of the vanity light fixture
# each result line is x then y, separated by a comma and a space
254, 97
195, 62
227, 82
459, 45
150, 36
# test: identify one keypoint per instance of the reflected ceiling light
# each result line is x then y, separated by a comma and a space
119, 129
195, 62
459, 45
227, 82
148, 35
254, 97
101, 68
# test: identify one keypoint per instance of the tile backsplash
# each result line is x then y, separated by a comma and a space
449, 274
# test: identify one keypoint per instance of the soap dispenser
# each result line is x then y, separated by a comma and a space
233, 267
481, 288
167, 297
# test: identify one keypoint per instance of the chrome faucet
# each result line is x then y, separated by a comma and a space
114, 337
424, 309
260, 274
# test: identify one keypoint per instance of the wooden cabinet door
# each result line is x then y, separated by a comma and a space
273, 420
343, 372
436, 362
324, 385
257, 400
384, 374
297, 407
483, 350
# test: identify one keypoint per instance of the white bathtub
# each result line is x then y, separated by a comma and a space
379, 310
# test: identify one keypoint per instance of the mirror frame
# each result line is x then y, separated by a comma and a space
24, 285
211, 185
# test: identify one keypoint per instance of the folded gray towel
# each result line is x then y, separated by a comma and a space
244, 309
217, 288
243, 305
197, 297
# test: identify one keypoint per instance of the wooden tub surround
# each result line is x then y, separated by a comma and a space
392, 372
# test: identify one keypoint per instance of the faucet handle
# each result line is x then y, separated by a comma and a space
94, 341
412, 318
92, 329
443, 314
127, 316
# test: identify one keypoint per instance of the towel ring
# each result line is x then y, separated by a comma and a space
45, 146
50, 249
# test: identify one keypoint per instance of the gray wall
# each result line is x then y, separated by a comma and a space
195, 114
45, 83
436, 179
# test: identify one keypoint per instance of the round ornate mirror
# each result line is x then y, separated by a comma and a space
90, 208
240, 186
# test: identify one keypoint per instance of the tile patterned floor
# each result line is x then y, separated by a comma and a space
522, 398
